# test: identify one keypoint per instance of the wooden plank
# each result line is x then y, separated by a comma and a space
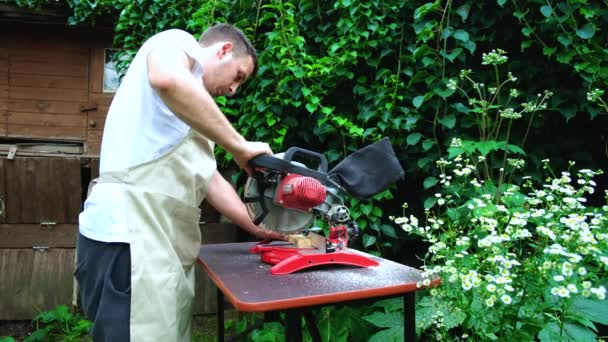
31, 235
71, 56
101, 99
3, 91
44, 106
42, 189
52, 120
34, 280
94, 142
46, 132
3, 65
3, 78
36, 93
96, 62
38, 68
47, 81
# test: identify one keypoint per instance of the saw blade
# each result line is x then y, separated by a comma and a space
279, 219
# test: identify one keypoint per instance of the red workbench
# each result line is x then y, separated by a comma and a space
248, 284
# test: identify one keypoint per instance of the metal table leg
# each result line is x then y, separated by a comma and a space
220, 316
409, 323
293, 330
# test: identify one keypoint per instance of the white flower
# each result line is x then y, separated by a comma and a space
506, 299
490, 301
563, 292
572, 288
582, 271
587, 284
491, 287
558, 278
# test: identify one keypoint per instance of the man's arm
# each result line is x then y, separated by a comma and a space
169, 75
224, 199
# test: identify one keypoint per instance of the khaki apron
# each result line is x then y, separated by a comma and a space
162, 209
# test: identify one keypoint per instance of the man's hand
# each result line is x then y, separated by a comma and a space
249, 150
269, 235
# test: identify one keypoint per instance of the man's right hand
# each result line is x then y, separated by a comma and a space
248, 151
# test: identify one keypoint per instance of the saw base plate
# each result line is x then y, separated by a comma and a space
287, 258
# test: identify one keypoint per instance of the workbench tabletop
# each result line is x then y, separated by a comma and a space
247, 282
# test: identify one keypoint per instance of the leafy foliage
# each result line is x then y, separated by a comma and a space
60, 325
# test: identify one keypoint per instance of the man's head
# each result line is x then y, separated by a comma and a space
234, 59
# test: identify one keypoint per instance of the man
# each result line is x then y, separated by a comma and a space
139, 234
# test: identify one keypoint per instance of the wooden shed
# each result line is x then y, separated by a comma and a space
53, 105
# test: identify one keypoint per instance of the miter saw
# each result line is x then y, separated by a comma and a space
284, 195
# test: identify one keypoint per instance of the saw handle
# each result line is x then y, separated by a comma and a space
310, 155
265, 161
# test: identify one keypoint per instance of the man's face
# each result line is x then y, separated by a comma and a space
226, 72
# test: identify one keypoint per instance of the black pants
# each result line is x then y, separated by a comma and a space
103, 271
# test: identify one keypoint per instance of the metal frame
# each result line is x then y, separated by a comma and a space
293, 324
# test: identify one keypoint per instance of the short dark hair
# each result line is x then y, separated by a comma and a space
226, 32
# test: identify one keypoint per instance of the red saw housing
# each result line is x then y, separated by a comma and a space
300, 192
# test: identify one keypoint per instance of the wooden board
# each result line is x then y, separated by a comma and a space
31, 235
37, 68
52, 94
94, 142
47, 81
42, 189
51, 120
47, 132
34, 280
44, 106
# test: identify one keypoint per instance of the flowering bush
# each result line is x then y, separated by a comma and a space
520, 262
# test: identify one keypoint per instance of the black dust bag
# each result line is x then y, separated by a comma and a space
369, 170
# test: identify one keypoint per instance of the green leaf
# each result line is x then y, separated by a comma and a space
430, 202
596, 311
377, 211
422, 162
417, 101
461, 35
388, 230
463, 11
366, 209
452, 55
427, 144
546, 10
385, 320
485, 147
548, 51
413, 138
527, 31
501, 2
586, 32
387, 335
516, 149
429, 182
368, 240
564, 40
577, 332
449, 121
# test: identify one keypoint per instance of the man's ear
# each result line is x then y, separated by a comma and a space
225, 49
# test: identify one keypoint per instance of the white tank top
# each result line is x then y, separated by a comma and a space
139, 127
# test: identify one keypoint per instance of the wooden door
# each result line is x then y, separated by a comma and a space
38, 230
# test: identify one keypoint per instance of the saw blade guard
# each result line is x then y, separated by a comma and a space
260, 199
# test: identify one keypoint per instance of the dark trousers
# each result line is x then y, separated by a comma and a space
103, 271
